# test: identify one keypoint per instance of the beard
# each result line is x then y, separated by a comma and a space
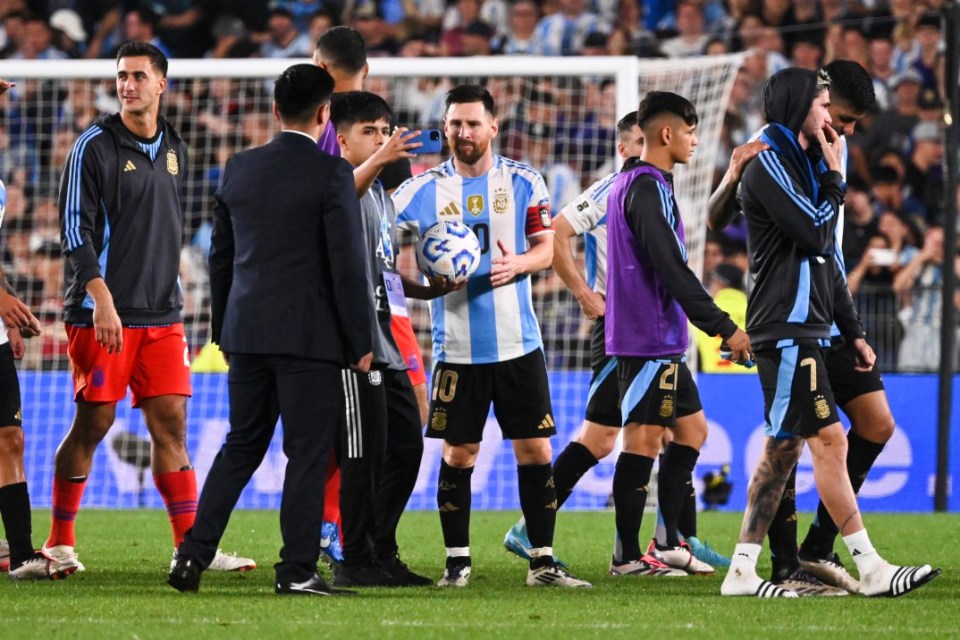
470, 152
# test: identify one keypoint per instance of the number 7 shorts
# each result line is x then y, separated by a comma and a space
797, 397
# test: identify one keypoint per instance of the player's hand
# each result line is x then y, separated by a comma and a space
16, 314
107, 327
828, 139
866, 358
442, 286
16, 343
398, 146
363, 364
593, 304
741, 351
742, 156
507, 267
6, 86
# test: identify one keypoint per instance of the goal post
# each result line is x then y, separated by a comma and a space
558, 114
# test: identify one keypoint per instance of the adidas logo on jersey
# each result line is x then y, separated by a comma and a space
129, 166
450, 210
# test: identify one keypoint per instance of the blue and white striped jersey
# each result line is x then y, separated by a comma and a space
559, 35
479, 324
587, 214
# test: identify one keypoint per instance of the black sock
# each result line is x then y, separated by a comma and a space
574, 461
675, 479
630, 488
687, 523
538, 500
783, 531
861, 454
15, 511
453, 500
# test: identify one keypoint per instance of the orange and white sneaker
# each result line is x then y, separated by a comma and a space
682, 558
63, 559
4, 556
648, 565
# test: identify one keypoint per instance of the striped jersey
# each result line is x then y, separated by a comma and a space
3, 208
479, 324
587, 215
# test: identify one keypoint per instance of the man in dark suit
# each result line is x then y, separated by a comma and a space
287, 279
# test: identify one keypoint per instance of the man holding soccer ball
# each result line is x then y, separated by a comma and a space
487, 344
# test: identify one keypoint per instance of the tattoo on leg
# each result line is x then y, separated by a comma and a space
766, 487
847, 521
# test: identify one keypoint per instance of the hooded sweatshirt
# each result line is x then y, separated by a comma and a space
791, 202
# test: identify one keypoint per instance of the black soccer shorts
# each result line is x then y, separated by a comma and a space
603, 399
656, 391
797, 397
848, 383
10, 414
518, 388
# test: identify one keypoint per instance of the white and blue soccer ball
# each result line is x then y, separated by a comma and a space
448, 250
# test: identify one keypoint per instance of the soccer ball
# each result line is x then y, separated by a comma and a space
448, 250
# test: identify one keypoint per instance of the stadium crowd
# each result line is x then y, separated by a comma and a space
893, 238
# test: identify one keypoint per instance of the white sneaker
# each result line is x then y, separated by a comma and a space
38, 568
682, 558
455, 575
231, 562
4, 556
648, 565
61, 558
742, 580
553, 575
892, 581
831, 571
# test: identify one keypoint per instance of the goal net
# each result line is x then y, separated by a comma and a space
559, 115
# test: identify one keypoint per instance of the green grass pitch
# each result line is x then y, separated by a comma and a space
122, 594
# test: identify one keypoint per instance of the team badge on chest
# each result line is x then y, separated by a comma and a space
173, 167
475, 204
501, 201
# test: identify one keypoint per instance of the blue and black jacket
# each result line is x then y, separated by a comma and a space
791, 202
121, 218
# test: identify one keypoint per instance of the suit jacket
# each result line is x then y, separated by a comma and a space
287, 270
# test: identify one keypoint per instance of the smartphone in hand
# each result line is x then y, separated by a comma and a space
431, 139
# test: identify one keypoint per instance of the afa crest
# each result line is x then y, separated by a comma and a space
439, 421
821, 407
501, 201
666, 407
173, 166
475, 204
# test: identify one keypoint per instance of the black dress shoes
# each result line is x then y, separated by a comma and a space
185, 574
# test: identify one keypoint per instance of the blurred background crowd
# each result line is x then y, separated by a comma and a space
893, 238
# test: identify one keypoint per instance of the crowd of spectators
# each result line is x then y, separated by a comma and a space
895, 207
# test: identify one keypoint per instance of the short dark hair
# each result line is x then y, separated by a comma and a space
467, 93
852, 83
627, 122
300, 90
351, 107
136, 49
656, 103
342, 48
146, 15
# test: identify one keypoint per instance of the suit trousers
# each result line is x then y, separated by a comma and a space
308, 396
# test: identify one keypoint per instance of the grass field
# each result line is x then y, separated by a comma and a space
122, 594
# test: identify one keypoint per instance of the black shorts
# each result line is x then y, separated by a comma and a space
656, 391
9, 389
797, 398
848, 383
603, 399
518, 389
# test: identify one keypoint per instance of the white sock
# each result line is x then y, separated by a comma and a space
537, 552
746, 554
862, 551
458, 552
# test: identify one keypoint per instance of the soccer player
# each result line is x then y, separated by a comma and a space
486, 340
860, 394
362, 121
586, 215
120, 209
791, 204
17, 553
650, 294
341, 52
